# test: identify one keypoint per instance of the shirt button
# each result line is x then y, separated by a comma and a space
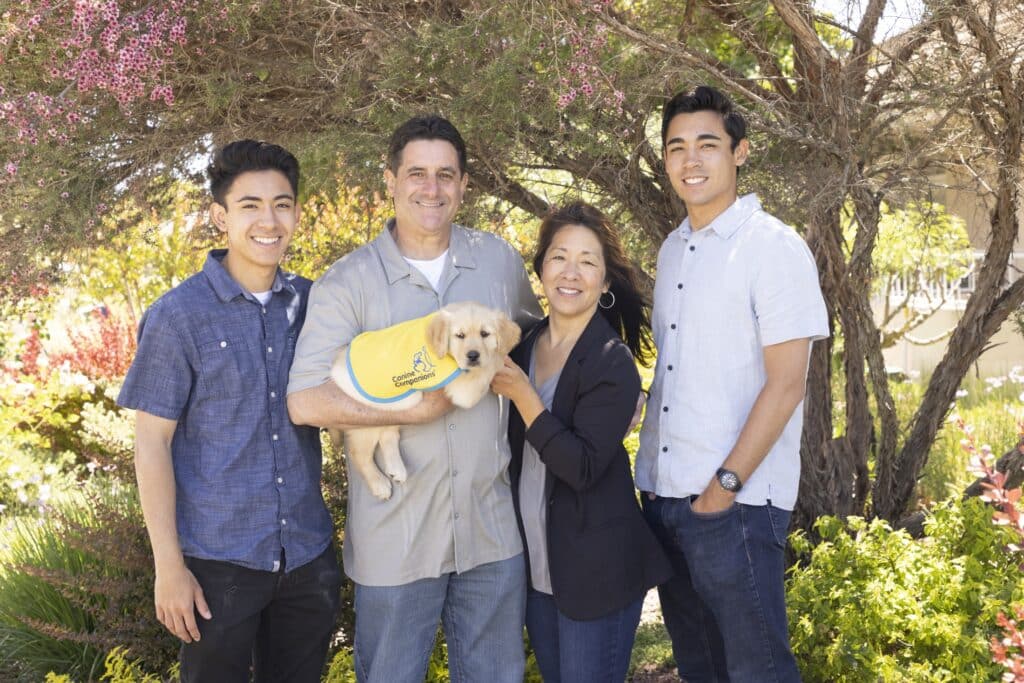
274, 437
664, 409
264, 310
223, 344
679, 286
451, 427
664, 449
284, 522
456, 515
693, 248
673, 326
270, 349
455, 473
280, 480
273, 394
670, 368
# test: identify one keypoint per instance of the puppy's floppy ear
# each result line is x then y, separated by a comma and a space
437, 334
508, 335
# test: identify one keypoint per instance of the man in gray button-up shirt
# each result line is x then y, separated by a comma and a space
446, 542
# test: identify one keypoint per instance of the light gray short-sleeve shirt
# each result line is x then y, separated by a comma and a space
721, 295
454, 512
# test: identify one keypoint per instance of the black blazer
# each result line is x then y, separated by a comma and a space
601, 553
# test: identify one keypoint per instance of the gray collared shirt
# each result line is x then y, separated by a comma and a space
216, 360
455, 510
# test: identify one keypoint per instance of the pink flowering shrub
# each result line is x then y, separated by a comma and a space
76, 53
1008, 650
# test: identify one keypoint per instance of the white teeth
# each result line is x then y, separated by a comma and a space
568, 292
266, 240
693, 181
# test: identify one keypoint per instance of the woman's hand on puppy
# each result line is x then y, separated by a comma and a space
510, 381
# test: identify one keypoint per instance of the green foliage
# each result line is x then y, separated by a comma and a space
652, 649
78, 583
989, 408
871, 604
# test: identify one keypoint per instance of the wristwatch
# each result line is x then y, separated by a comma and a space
728, 480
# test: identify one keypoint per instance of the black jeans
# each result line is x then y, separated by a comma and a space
276, 625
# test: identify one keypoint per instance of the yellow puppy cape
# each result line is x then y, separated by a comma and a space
389, 364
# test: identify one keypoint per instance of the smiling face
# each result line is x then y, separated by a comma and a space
258, 217
427, 188
573, 272
701, 164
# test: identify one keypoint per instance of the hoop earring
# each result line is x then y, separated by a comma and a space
601, 303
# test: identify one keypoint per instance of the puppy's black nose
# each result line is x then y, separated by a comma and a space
473, 356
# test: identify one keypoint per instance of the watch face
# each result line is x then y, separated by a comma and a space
729, 481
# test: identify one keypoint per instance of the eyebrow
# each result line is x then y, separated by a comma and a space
450, 169
702, 136
253, 198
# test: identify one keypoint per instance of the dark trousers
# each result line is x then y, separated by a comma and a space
725, 608
276, 625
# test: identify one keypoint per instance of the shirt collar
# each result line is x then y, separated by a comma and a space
729, 221
227, 288
396, 267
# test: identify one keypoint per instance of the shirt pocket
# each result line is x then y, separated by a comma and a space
226, 368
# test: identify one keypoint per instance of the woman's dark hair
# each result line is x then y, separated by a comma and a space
241, 156
630, 314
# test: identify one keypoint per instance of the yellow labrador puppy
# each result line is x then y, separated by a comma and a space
458, 348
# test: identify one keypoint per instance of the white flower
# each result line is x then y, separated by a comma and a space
50, 469
12, 470
961, 393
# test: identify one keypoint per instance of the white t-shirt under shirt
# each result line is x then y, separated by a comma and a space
263, 297
431, 269
721, 295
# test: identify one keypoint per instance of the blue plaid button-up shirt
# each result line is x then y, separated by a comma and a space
216, 360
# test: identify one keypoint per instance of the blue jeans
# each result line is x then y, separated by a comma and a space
725, 608
571, 651
481, 611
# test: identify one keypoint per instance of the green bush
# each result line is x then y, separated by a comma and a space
76, 584
872, 604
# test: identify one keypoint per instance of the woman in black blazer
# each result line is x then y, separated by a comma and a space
574, 385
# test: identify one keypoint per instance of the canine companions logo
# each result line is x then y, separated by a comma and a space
422, 369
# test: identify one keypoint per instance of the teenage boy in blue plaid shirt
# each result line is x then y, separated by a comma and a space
246, 574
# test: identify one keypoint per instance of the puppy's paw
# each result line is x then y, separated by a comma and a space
397, 473
380, 487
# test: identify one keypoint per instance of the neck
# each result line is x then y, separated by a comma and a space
252, 279
566, 330
421, 247
703, 216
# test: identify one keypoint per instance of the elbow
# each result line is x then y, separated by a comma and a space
298, 409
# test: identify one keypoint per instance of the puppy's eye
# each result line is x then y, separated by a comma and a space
460, 335
484, 334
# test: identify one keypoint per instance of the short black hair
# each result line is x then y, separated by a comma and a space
705, 98
242, 156
431, 127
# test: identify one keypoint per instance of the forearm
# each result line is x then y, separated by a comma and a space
155, 474
769, 415
528, 403
329, 407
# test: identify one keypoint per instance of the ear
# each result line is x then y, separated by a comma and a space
437, 334
741, 152
389, 181
218, 215
508, 335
